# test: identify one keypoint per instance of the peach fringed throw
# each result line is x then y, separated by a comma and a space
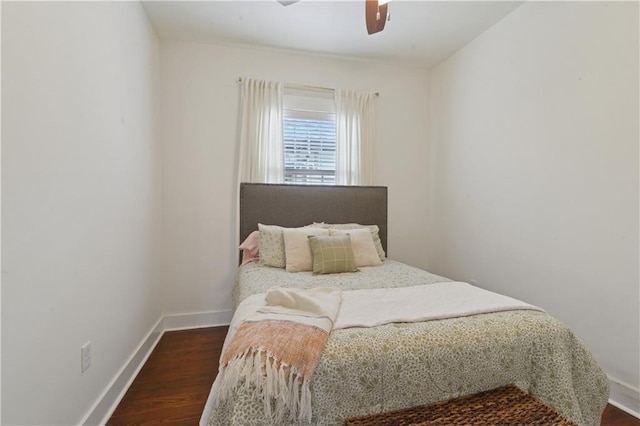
276, 350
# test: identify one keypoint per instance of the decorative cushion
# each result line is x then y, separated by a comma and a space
332, 255
296, 247
375, 234
362, 244
250, 248
271, 246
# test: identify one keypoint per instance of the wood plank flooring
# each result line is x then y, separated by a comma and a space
173, 385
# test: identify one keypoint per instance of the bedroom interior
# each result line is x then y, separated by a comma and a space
509, 150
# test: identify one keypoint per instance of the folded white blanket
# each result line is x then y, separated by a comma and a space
373, 307
317, 307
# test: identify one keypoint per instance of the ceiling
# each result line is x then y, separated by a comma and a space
420, 33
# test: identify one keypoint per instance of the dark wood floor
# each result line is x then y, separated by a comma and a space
174, 384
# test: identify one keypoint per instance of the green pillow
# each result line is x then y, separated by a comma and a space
332, 255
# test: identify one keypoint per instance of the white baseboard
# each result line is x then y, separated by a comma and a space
114, 392
106, 404
196, 320
625, 397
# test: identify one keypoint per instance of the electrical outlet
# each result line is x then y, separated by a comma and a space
85, 356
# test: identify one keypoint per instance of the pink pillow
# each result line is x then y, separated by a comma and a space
250, 247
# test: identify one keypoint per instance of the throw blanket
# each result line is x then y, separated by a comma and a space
373, 307
277, 348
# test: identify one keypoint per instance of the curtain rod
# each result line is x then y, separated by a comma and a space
306, 86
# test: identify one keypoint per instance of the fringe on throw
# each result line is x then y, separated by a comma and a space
281, 387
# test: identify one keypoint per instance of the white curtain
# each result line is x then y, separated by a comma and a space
355, 134
261, 148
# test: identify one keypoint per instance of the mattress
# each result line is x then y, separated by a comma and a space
394, 366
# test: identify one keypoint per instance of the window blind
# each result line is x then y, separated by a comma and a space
310, 149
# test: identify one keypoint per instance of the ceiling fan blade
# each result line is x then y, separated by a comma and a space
287, 2
376, 15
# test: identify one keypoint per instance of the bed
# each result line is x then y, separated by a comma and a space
399, 365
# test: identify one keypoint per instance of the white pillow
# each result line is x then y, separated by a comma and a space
362, 244
297, 250
375, 233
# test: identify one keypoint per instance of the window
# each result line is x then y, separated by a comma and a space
309, 151
305, 137
309, 133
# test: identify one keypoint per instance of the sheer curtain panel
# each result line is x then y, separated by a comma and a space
261, 152
355, 133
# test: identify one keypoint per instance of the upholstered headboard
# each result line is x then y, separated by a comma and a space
300, 205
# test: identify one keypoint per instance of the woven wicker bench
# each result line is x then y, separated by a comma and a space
507, 405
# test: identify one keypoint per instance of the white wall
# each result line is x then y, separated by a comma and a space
534, 160
199, 120
80, 199
529, 184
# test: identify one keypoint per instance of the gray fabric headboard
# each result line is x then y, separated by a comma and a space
300, 205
